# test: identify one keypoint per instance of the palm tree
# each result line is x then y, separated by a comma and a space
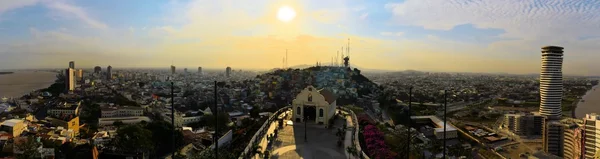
257, 150
352, 151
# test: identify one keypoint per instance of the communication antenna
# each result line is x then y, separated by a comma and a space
336, 58
286, 58
342, 55
348, 48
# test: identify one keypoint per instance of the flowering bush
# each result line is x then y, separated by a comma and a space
364, 119
376, 147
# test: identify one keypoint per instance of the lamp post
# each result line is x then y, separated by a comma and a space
445, 108
305, 134
216, 124
409, 122
173, 119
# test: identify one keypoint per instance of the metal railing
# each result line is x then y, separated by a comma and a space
261, 133
356, 142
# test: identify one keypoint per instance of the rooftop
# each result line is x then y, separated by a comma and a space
329, 96
12, 122
552, 48
439, 123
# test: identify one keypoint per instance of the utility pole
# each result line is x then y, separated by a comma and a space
445, 109
409, 122
305, 121
173, 119
216, 124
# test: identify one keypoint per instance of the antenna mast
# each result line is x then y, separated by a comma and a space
286, 58
336, 58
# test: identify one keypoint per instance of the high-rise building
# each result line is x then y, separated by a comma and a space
97, 69
199, 70
79, 74
527, 124
228, 71
69, 79
591, 139
172, 69
563, 138
109, 72
551, 84
184, 70
72, 64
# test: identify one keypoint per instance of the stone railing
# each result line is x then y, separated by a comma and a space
260, 134
356, 140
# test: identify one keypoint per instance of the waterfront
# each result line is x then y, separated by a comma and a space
590, 105
21, 83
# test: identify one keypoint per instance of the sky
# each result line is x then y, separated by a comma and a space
429, 35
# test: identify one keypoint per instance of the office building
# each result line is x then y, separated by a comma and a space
109, 72
172, 69
199, 70
65, 108
185, 70
526, 124
69, 122
97, 69
228, 71
125, 111
69, 80
72, 64
79, 74
314, 105
551, 86
563, 138
13, 126
591, 134
438, 131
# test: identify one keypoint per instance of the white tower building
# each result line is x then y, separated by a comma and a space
551, 85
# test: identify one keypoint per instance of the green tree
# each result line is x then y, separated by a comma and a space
162, 134
254, 112
133, 138
223, 119
118, 123
223, 153
29, 147
91, 113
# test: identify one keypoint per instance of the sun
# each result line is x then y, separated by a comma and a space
286, 14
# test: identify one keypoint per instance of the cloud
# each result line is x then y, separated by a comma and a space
9, 5
392, 33
525, 19
78, 12
364, 16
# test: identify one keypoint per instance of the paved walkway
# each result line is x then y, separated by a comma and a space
321, 142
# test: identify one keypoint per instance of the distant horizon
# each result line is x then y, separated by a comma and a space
367, 70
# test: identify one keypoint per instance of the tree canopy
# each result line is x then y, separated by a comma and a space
134, 138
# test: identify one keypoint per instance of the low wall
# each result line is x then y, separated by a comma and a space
261, 133
361, 154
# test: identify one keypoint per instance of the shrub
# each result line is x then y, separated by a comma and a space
376, 147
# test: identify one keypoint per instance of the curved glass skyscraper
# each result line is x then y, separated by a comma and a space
551, 85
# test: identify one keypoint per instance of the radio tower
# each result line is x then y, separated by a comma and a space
342, 61
286, 59
336, 58
348, 51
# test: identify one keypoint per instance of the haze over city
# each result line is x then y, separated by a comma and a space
458, 36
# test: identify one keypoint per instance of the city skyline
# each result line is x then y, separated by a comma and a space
504, 36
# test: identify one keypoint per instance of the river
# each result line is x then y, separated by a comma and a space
591, 103
20, 83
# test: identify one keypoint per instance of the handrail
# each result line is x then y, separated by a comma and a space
261, 132
356, 142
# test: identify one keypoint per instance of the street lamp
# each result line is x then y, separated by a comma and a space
305, 134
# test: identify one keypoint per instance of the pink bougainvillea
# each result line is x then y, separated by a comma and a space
375, 142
